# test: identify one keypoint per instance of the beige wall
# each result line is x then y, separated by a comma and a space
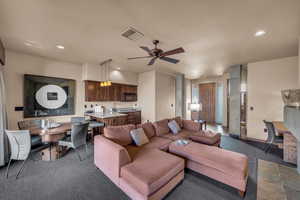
156, 94
146, 91
19, 64
188, 98
265, 81
97, 73
165, 96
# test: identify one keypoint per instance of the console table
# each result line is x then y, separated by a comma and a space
289, 142
292, 122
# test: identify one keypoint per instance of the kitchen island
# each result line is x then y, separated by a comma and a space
109, 119
118, 117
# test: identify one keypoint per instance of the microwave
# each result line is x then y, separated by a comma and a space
129, 97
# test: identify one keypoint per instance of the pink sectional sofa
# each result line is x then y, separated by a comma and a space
148, 171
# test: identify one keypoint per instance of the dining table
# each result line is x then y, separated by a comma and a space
51, 136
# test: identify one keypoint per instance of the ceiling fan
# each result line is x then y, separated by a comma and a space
157, 53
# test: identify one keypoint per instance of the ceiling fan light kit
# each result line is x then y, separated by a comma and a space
157, 53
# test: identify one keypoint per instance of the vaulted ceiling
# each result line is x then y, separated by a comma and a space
214, 33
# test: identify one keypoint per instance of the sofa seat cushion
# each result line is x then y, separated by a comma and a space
151, 170
206, 137
119, 134
161, 127
133, 150
148, 129
158, 143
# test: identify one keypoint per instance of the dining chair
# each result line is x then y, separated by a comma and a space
29, 124
20, 147
272, 138
77, 138
95, 127
92, 125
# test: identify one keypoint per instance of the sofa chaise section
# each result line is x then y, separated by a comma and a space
151, 170
225, 166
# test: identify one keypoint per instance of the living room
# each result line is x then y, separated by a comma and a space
149, 100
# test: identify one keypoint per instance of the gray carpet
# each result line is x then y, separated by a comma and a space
70, 179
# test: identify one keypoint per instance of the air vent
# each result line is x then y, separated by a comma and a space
132, 34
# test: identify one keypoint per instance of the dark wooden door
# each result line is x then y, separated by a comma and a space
207, 96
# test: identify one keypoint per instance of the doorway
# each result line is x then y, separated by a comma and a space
207, 97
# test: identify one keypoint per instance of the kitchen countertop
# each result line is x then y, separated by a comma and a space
106, 115
128, 111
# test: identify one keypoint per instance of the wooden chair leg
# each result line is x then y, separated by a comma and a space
21, 169
242, 193
7, 169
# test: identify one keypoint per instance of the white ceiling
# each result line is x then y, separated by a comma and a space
214, 33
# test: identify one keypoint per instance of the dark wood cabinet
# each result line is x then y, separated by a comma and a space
115, 92
134, 117
91, 91
112, 121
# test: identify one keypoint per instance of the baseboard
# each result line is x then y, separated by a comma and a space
255, 140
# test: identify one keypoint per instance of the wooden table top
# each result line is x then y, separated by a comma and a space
280, 127
62, 129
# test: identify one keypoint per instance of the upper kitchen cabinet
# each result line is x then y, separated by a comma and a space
91, 90
115, 92
128, 93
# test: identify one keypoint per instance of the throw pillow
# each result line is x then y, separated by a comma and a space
139, 137
178, 120
174, 127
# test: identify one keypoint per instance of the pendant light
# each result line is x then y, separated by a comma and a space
106, 71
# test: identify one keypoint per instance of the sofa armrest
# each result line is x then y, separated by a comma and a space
191, 125
109, 157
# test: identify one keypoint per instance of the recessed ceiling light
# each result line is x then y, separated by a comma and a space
28, 44
60, 47
118, 68
260, 33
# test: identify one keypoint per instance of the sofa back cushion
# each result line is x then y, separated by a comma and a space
148, 129
178, 121
191, 125
161, 127
119, 134
139, 137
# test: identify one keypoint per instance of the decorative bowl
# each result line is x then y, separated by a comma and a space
181, 142
291, 97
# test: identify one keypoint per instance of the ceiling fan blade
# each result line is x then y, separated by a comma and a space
172, 52
146, 49
171, 60
139, 57
152, 61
